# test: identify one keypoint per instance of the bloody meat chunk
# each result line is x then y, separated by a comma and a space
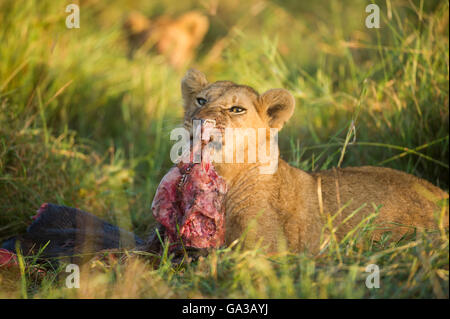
189, 203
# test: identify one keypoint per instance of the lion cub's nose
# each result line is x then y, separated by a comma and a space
204, 122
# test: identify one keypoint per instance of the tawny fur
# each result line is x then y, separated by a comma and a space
288, 209
175, 38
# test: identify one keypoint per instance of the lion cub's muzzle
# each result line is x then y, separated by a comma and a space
215, 138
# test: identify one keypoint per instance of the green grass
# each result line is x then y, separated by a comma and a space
82, 124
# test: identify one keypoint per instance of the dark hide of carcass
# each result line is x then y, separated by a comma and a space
188, 205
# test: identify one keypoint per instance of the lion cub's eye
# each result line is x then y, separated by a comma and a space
237, 109
201, 101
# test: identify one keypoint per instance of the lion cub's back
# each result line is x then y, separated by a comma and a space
405, 199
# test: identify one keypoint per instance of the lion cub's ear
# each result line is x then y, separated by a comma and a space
278, 106
192, 83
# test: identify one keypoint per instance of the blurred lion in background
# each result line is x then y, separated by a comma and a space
175, 38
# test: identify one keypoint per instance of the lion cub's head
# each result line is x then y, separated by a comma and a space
234, 105
238, 107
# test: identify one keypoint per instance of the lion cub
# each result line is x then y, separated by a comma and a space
290, 207
175, 38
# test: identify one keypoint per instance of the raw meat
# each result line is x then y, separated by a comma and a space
189, 201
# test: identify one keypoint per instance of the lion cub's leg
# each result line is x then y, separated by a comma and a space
256, 227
